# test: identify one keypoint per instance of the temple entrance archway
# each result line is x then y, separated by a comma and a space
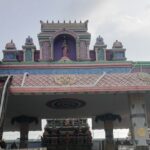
59, 42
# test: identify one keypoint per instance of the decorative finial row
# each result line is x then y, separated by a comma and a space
100, 41
42, 22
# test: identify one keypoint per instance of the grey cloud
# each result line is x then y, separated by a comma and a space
81, 9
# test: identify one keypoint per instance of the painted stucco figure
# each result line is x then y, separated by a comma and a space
65, 49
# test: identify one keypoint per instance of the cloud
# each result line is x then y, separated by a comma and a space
119, 20
125, 20
81, 9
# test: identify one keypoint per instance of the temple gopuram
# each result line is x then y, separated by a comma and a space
66, 82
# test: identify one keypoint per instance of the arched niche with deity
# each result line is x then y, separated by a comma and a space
64, 47
53, 35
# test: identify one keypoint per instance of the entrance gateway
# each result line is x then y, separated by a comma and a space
65, 79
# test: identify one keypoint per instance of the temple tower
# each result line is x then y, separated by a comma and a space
53, 35
100, 49
29, 50
10, 52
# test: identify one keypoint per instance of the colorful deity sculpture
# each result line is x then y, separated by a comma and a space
65, 49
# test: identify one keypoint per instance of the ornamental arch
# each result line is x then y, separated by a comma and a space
58, 43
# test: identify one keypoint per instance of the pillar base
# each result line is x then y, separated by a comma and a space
142, 148
23, 144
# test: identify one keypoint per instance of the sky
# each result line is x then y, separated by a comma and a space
125, 20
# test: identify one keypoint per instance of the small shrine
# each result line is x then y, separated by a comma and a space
73, 134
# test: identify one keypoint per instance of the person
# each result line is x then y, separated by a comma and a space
3, 144
14, 146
